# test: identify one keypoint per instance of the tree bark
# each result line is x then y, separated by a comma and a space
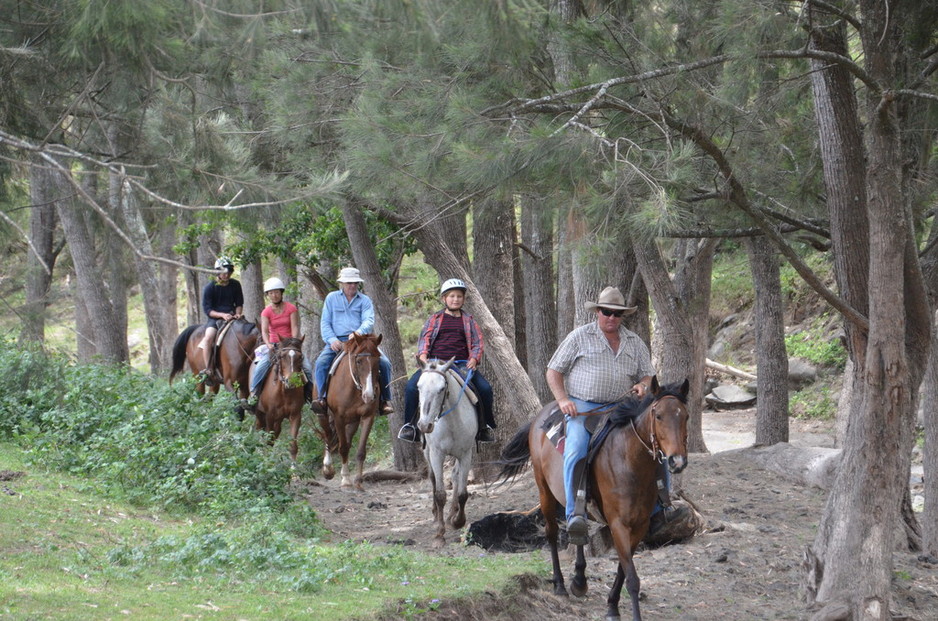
108, 343
538, 282
40, 258
680, 350
407, 456
771, 356
850, 562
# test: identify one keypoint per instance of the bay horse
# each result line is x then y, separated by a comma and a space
281, 393
351, 401
449, 424
621, 479
233, 355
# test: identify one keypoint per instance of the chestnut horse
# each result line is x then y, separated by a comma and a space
352, 401
232, 357
621, 479
281, 394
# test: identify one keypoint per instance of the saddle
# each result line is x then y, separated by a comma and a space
214, 371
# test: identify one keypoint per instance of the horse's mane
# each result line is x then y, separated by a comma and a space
244, 326
631, 407
360, 342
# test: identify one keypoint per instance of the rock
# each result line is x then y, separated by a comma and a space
800, 373
730, 396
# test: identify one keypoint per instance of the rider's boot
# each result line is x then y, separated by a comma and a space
486, 433
667, 511
385, 408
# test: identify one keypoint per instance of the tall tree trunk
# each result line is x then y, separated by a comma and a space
930, 462
406, 455
252, 284
771, 357
118, 260
679, 350
155, 306
538, 282
109, 343
40, 258
493, 245
850, 562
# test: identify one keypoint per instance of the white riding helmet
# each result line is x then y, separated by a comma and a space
224, 263
453, 283
272, 284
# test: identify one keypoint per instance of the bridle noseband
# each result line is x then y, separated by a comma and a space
654, 450
351, 369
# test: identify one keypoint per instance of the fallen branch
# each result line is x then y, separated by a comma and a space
722, 368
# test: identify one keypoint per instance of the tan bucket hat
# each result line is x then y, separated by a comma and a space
611, 298
350, 274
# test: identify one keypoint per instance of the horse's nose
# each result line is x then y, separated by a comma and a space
425, 429
676, 463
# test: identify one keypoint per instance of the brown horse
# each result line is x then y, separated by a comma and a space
281, 394
621, 479
232, 357
352, 400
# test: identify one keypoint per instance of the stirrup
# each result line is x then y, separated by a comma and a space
485, 435
408, 433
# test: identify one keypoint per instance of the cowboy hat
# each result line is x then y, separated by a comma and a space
611, 298
349, 274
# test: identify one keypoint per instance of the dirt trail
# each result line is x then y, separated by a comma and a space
746, 566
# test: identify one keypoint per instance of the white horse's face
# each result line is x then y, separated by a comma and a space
432, 388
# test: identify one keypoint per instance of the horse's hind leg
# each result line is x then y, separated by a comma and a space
551, 529
295, 420
615, 591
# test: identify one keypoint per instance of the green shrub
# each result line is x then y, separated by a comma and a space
818, 345
815, 402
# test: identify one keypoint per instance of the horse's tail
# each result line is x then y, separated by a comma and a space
515, 455
179, 351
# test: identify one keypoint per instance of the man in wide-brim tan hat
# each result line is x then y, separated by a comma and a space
611, 298
595, 366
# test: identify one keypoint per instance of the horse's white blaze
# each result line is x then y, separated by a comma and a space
368, 390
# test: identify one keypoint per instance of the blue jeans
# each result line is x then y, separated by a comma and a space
262, 365
575, 448
324, 363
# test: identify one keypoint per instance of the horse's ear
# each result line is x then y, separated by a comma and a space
378, 341
655, 386
685, 388
302, 337
447, 365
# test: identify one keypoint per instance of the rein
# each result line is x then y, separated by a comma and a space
654, 450
462, 391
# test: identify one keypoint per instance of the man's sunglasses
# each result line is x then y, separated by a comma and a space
611, 313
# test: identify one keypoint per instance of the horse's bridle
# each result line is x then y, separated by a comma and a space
351, 369
654, 450
279, 351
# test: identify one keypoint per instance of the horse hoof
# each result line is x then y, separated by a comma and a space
614, 617
328, 474
561, 591
438, 543
578, 588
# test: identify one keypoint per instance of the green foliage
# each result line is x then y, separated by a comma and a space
157, 444
817, 344
815, 402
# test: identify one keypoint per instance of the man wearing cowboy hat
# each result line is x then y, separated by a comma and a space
345, 312
595, 366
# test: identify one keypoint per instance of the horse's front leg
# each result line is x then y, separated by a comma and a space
622, 537
345, 445
579, 586
329, 441
366, 425
457, 508
438, 495
295, 420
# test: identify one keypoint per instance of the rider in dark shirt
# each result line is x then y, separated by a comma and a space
222, 301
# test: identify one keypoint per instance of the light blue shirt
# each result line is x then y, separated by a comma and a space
340, 317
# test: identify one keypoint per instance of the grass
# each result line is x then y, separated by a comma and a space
70, 553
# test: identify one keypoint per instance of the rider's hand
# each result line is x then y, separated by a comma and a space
639, 390
567, 407
336, 345
471, 364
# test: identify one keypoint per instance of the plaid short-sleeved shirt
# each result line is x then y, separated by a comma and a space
593, 372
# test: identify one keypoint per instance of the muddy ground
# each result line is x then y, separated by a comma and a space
744, 566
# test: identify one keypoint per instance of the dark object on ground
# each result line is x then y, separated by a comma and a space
509, 532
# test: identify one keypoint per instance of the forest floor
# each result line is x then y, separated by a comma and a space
745, 565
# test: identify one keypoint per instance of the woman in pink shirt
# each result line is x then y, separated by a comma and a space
279, 320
